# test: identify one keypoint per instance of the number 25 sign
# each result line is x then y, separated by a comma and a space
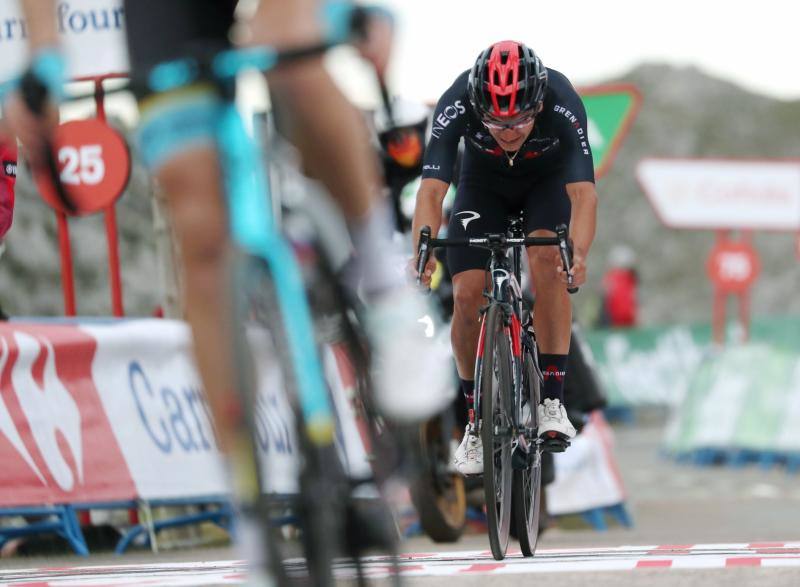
94, 166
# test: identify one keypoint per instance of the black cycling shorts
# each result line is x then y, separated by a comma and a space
485, 203
162, 30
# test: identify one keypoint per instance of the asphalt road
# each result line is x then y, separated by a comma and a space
750, 517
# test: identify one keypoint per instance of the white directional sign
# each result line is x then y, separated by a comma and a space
723, 193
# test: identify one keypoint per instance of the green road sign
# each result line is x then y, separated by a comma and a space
611, 110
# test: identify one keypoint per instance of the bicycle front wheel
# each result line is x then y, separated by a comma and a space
307, 488
497, 428
528, 481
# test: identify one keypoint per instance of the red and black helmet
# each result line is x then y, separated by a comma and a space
508, 80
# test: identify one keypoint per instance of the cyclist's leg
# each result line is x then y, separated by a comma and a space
175, 139
547, 207
330, 134
476, 211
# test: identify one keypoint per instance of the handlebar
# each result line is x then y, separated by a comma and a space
498, 241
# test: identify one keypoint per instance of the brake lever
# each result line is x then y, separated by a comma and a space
423, 252
565, 250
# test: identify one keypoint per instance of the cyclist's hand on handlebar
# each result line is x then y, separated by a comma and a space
427, 274
32, 131
578, 269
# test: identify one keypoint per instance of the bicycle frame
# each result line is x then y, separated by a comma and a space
504, 272
504, 275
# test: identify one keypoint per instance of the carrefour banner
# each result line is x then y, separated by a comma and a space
57, 444
92, 34
115, 411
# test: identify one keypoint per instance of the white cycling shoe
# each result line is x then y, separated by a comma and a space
411, 357
553, 420
469, 454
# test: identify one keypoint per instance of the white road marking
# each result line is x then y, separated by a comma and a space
623, 558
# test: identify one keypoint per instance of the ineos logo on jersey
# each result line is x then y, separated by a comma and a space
431, 167
10, 168
445, 117
467, 219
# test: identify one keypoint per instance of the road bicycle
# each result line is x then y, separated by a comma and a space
508, 380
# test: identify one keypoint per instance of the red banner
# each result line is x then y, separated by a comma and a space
56, 443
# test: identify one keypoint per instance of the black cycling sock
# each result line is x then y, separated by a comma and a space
468, 389
554, 369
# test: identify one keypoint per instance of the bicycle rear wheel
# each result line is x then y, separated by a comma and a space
528, 481
497, 428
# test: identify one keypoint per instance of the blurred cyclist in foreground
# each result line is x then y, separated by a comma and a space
335, 149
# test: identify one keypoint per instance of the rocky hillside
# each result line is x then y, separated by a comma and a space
685, 113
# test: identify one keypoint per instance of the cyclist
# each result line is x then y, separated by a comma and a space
526, 150
175, 141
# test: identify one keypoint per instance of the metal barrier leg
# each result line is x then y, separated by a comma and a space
72, 530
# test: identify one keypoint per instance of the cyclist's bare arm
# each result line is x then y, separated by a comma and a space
583, 224
428, 212
329, 132
40, 16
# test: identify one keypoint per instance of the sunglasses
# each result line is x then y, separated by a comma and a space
515, 125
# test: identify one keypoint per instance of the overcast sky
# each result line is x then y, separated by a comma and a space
754, 44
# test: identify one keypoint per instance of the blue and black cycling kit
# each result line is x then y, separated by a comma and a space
493, 184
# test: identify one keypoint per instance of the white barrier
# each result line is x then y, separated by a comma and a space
587, 477
114, 411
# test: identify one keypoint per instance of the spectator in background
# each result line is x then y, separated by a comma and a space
8, 176
620, 290
402, 146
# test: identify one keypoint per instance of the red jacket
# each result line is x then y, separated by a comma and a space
8, 177
620, 303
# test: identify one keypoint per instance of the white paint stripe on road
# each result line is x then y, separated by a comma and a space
625, 558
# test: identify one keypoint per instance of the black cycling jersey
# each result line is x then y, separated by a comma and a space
558, 142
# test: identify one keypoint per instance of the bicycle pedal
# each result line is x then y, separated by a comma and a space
554, 443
